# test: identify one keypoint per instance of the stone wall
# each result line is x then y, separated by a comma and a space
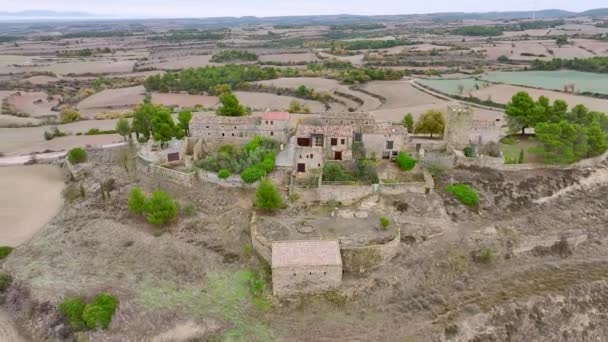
403, 188
343, 193
361, 259
233, 181
288, 281
481, 161
182, 178
354, 259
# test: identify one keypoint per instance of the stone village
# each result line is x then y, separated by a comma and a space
308, 253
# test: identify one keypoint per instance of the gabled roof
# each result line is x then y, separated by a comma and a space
305, 131
276, 116
306, 253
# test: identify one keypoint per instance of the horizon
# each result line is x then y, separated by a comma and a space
141, 9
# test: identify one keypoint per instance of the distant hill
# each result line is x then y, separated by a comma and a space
599, 12
542, 14
46, 14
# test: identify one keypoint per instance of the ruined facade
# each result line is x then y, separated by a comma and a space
316, 144
305, 267
240, 129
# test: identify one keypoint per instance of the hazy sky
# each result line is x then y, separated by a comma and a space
206, 8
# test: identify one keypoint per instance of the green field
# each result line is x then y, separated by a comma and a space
553, 80
451, 86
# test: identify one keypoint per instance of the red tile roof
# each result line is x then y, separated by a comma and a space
276, 116
306, 253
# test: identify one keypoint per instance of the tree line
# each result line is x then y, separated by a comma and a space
594, 64
567, 135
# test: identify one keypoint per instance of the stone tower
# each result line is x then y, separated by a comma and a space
458, 126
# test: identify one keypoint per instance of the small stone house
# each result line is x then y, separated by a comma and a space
315, 144
382, 141
305, 267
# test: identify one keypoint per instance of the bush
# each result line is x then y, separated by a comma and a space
5, 281
5, 251
100, 312
54, 133
160, 208
468, 152
464, 193
189, 209
405, 162
137, 201
72, 309
335, 172
485, 255
268, 162
69, 115
267, 197
223, 174
252, 174
77, 155
384, 222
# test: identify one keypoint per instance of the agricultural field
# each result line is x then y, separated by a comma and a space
457, 86
271, 102
552, 80
122, 99
184, 100
34, 104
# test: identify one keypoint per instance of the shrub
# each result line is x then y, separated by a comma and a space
335, 172
468, 152
267, 197
69, 115
268, 162
508, 141
77, 155
384, 222
5, 251
72, 309
160, 208
137, 201
223, 174
100, 312
485, 255
405, 162
189, 209
252, 174
54, 133
464, 193
5, 281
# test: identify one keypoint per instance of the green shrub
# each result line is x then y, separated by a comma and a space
405, 162
267, 197
268, 162
468, 152
384, 222
508, 141
5, 251
72, 309
5, 281
464, 193
137, 201
77, 155
160, 208
252, 174
189, 209
223, 174
335, 172
100, 312
485, 255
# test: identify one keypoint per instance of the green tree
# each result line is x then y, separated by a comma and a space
163, 126
160, 208
562, 40
408, 122
563, 142
137, 201
596, 138
142, 119
230, 105
184, 118
521, 112
123, 127
431, 122
267, 197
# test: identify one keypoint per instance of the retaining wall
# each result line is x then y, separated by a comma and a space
186, 179
354, 259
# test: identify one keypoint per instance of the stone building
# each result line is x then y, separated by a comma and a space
241, 128
458, 126
305, 267
381, 141
315, 144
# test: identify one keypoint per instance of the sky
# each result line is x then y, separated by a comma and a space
206, 8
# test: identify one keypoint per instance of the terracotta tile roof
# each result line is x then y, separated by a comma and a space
305, 131
276, 116
306, 253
